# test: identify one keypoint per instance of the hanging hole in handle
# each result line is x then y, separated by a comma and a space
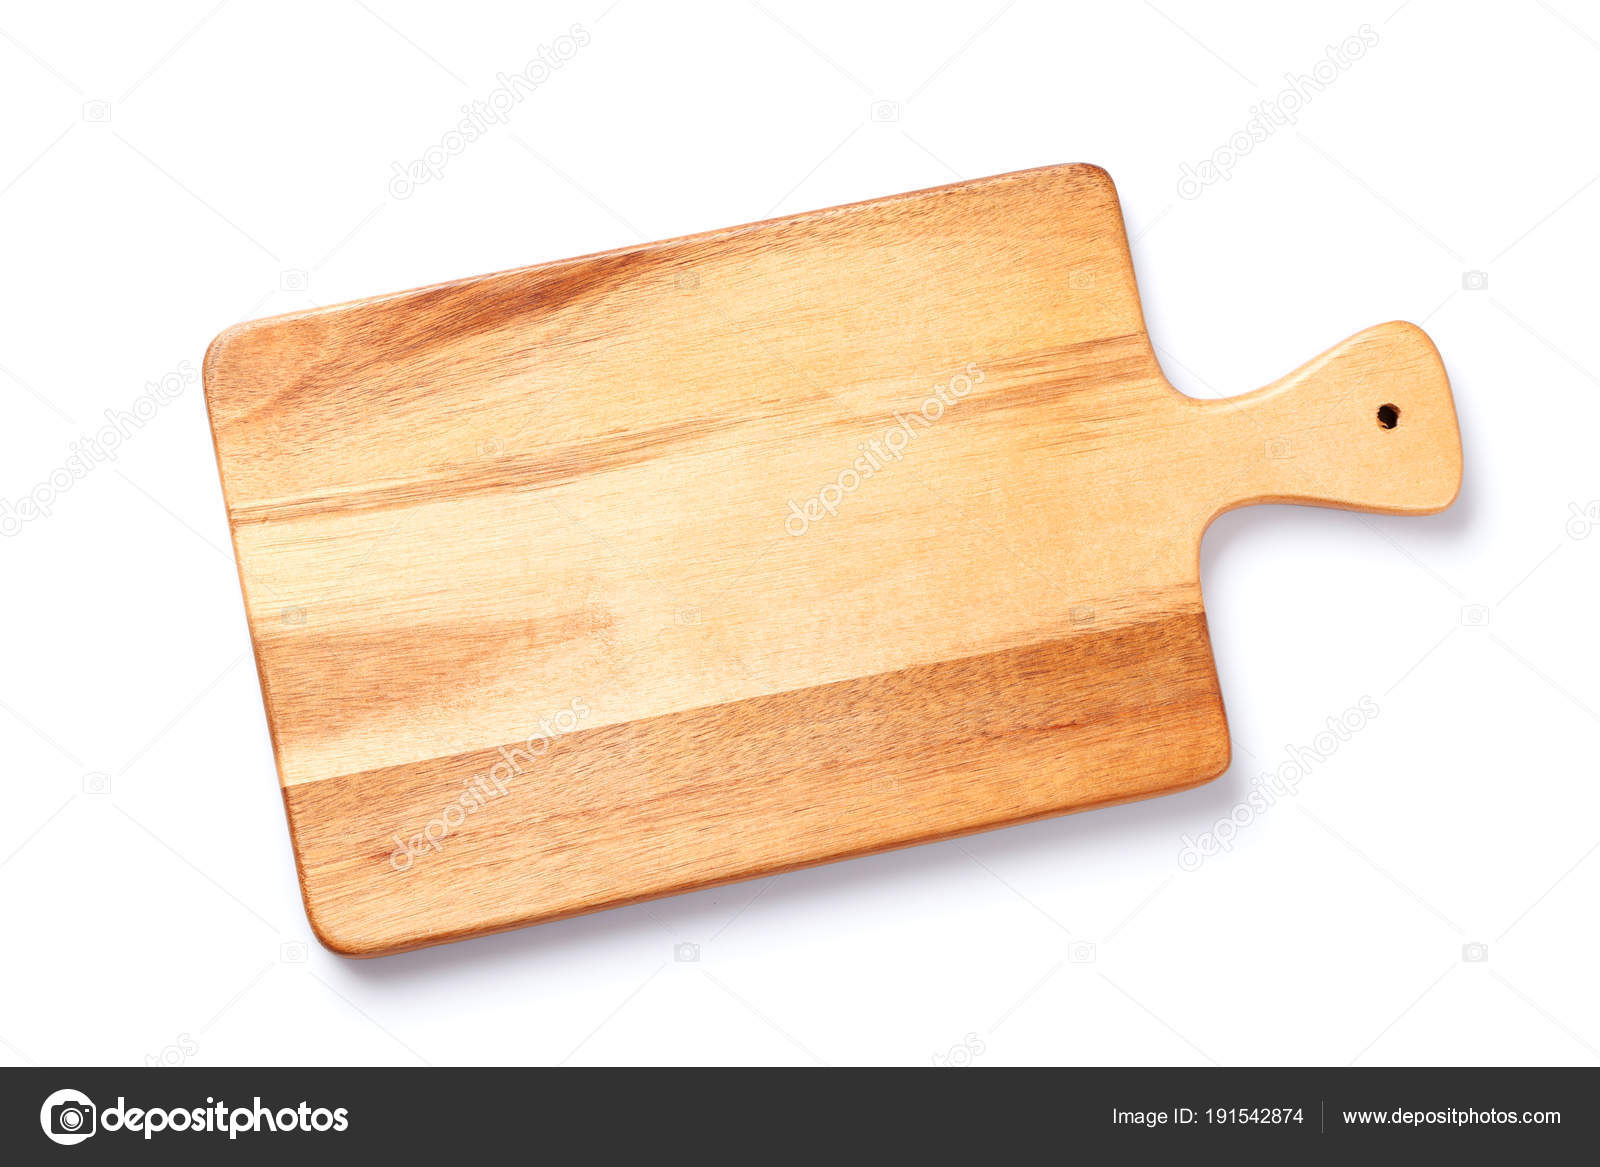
1388, 416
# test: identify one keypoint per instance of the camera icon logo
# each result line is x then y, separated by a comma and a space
1280, 449
1475, 953
97, 110
1474, 616
1081, 952
1583, 520
292, 952
97, 785
886, 111
1475, 281
294, 279
68, 1117
686, 953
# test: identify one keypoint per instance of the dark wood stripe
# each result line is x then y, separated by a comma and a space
668, 804
1046, 379
363, 344
547, 467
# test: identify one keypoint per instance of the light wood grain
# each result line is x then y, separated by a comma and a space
569, 504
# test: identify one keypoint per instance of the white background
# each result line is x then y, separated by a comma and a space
168, 170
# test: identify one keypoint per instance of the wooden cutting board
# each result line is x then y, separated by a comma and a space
691, 562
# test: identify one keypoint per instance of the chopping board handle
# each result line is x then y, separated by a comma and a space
1369, 425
